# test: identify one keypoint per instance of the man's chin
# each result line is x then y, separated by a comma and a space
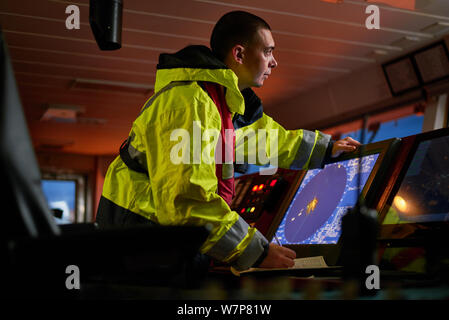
257, 84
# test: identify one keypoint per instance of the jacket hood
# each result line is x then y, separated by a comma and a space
199, 57
198, 63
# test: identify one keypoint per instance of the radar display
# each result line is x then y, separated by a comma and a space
314, 215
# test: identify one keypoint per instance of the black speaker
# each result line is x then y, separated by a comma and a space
105, 17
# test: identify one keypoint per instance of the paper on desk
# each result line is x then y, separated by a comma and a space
300, 263
310, 262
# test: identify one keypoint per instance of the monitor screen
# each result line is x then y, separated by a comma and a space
423, 195
314, 215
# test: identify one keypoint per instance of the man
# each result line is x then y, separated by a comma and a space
159, 180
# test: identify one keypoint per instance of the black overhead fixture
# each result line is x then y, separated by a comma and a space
105, 17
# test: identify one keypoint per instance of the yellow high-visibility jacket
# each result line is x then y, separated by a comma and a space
181, 191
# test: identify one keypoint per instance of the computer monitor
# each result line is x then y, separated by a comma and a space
324, 196
311, 225
418, 204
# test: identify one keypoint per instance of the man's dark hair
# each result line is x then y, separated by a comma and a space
235, 27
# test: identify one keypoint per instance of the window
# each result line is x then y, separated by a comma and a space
61, 195
66, 192
399, 128
397, 123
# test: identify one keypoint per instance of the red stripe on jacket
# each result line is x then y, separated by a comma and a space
226, 141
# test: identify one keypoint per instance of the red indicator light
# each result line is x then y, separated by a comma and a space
254, 188
243, 210
273, 182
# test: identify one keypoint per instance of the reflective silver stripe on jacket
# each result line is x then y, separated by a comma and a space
304, 150
313, 147
230, 240
322, 142
135, 154
157, 94
227, 170
252, 252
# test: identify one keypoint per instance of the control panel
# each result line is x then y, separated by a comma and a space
259, 199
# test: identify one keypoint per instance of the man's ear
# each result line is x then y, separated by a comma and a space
238, 53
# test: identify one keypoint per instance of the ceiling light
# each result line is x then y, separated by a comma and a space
116, 86
60, 113
92, 121
332, 1
436, 27
406, 41
53, 144
377, 54
404, 4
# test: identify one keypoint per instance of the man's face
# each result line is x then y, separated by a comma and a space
258, 60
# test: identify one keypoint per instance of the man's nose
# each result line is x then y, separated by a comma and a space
273, 63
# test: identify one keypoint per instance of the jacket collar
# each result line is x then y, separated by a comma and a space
253, 110
198, 63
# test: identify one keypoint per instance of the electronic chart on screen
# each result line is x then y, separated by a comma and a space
324, 196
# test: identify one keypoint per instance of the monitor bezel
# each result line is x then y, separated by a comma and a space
428, 48
416, 70
386, 150
409, 231
408, 58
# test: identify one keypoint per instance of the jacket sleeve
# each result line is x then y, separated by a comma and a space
267, 142
181, 145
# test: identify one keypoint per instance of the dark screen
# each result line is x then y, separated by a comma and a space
423, 195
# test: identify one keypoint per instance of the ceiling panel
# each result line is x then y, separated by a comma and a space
316, 43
